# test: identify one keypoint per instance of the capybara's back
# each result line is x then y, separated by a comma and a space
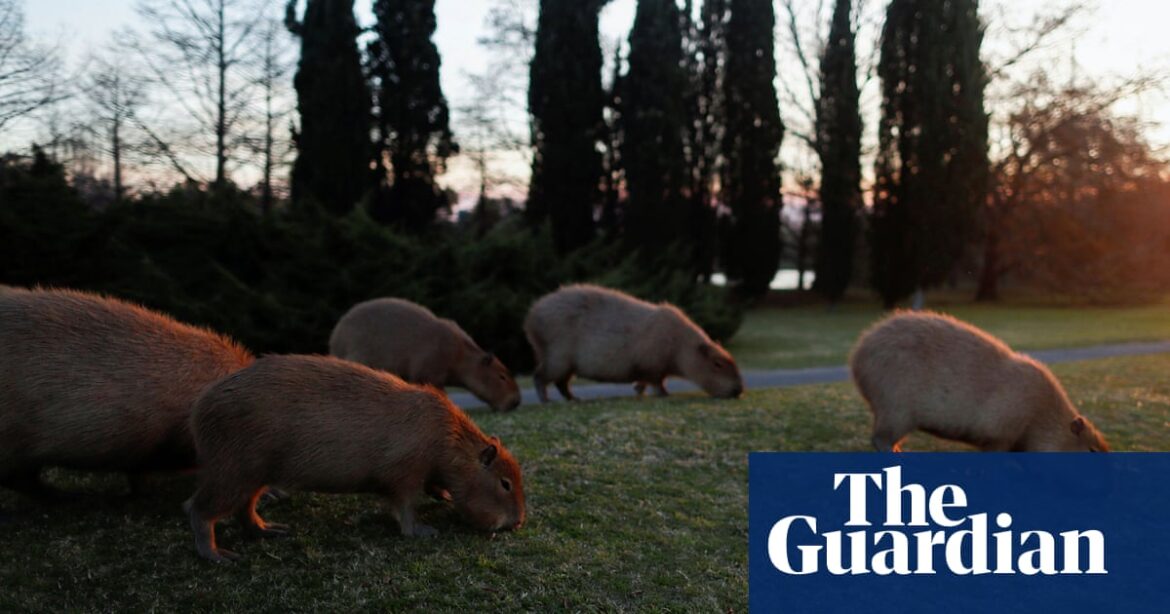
931, 372
89, 382
389, 334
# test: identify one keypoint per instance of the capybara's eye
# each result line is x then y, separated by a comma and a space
503, 378
506, 484
718, 365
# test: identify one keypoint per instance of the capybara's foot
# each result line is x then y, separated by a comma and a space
640, 388
271, 529
565, 391
220, 556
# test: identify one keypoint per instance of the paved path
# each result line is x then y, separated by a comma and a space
780, 378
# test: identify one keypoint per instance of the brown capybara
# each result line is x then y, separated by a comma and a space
88, 382
610, 336
323, 424
931, 372
409, 341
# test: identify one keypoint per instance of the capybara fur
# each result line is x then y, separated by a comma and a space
95, 383
931, 372
610, 336
409, 341
323, 424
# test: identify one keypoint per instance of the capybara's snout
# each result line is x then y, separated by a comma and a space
731, 391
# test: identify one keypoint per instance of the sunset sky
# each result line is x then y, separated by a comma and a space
1117, 38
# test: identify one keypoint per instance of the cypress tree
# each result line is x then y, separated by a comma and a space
332, 167
653, 125
413, 130
751, 144
565, 101
702, 48
932, 167
838, 141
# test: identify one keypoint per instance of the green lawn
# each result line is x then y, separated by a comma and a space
812, 336
632, 505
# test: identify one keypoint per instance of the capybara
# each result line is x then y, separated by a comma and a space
409, 341
95, 383
323, 424
931, 372
610, 336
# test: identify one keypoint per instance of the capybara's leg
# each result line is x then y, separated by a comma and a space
563, 387
888, 435
204, 530
403, 510
255, 526
204, 509
138, 483
275, 494
640, 388
540, 384
27, 481
437, 491
660, 388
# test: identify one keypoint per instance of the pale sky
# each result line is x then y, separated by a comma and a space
1121, 36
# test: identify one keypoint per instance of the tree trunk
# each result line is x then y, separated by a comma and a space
221, 104
266, 188
989, 275
918, 300
116, 147
802, 246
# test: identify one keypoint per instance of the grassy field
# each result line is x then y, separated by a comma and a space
812, 336
632, 505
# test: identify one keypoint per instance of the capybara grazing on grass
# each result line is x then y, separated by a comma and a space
96, 383
610, 336
409, 341
322, 424
931, 372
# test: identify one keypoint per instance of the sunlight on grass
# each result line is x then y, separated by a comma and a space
812, 336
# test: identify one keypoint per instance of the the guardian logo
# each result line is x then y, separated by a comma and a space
924, 532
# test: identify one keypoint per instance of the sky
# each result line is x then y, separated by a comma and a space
1119, 37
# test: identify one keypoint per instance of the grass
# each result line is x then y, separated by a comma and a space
633, 504
772, 338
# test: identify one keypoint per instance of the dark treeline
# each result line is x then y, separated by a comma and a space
651, 177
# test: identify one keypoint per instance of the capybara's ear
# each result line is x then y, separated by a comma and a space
487, 359
488, 455
1078, 425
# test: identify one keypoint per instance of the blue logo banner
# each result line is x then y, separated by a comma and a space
959, 532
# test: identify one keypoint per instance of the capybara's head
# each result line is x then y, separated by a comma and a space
713, 369
1085, 436
488, 379
492, 497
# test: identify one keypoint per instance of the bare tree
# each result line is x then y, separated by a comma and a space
198, 52
29, 73
115, 94
492, 120
275, 64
